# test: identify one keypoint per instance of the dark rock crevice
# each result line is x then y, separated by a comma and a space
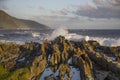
30, 60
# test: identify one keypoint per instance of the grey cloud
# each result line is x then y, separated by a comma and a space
78, 22
100, 9
41, 8
3, 7
60, 12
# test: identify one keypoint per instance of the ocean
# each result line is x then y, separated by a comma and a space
104, 37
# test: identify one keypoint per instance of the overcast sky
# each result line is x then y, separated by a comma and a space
79, 14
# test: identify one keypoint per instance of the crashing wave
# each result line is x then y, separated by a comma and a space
35, 34
76, 37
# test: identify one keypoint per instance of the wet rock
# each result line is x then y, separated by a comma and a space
38, 66
81, 60
50, 77
101, 75
103, 60
65, 70
28, 61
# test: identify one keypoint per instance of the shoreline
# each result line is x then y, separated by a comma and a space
32, 57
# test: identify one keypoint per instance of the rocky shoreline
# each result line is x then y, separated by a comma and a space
30, 60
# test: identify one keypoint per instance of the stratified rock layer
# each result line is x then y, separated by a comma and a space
29, 61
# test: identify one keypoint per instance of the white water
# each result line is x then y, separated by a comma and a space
77, 37
59, 31
40, 37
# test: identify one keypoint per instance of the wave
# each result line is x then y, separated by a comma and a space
35, 34
1, 35
77, 37
28, 36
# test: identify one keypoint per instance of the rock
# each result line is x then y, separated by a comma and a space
50, 77
82, 61
1, 50
94, 43
22, 59
64, 56
112, 76
63, 70
9, 65
38, 66
101, 75
28, 61
103, 60
55, 58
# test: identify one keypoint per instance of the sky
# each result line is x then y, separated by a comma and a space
73, 14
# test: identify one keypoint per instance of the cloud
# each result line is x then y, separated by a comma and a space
99, 9
90, 5
78, 22
41, 8
3, 7
60, 12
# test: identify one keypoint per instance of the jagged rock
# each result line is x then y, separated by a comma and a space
64, 56
38, 66
94, 44
82, 61
101, 75
55, 58
28, 61
8, 51
1, 50
63, 70
45, 46
16, 57
112, 76
104, 61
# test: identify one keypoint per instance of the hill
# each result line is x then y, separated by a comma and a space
9, 22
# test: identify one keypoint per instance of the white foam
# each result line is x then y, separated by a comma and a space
59, 31
40, 37
18, 42
87, 38
35, 34
107, 41
73, 36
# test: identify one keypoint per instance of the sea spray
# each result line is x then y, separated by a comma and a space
77, 37
59, 31
20, 37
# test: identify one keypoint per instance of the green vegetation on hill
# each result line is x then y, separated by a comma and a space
9, 22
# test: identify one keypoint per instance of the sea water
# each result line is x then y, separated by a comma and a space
104, 37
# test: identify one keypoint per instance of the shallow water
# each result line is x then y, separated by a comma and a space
75, 72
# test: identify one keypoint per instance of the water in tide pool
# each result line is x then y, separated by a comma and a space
104, 37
